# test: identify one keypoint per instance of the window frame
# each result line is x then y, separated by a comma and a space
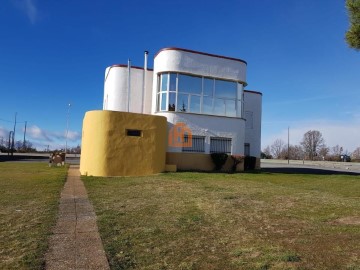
238, 100
225, 140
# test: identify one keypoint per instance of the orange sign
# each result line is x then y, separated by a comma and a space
180, 135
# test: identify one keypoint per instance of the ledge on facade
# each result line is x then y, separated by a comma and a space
253, 92
202, 53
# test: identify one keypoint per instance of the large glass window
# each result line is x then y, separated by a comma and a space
183, 103
172, 86
225, 89
195, 104
207, 105
201, 95
163, 102
189, 84
230, 108
219, 106
172, 101
208, 87
164, 82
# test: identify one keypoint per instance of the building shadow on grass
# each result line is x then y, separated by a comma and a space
293, 170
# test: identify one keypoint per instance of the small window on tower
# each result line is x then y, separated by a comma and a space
134, 133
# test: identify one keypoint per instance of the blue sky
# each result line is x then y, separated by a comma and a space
55, 52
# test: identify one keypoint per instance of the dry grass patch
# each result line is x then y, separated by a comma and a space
29, 194
228, 221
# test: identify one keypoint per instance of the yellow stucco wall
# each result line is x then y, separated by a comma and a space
106, 150
198, 162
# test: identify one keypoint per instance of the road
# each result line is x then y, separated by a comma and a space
267, 165
37, 157
313, 167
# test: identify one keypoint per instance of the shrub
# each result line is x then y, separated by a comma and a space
250, 163
237, 159
219, 160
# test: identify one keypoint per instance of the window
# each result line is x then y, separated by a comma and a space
164, 82
230, 108
195, 104
163, 102
220, 145
249, 120
219, 106
201, 95
183, 103
189, 84
207, 105
197, 145
133, 133
225, 89
208, 87
247, 149
172, 101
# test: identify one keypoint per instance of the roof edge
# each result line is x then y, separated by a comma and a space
125, 65
202, 53
253, 92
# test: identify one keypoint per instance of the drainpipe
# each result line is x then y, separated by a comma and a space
144, 81
129, 85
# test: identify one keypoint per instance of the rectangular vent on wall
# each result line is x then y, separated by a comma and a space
134, 132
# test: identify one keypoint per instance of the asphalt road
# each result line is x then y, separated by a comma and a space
310, 167
36, 157
267, 165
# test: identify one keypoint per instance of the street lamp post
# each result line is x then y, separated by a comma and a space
67, 128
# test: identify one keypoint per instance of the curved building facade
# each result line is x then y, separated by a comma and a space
202, 97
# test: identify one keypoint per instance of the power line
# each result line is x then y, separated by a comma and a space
11, 121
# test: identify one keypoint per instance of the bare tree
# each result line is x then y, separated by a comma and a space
312, 142
336, 150
75, 150
277, 148
26, 147
3, 147
296, 152
356, 153
324, 152
267, 151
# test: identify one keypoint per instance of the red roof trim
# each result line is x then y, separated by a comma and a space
253, 92
124, 65
203, 53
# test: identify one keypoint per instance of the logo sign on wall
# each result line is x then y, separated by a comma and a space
180, 135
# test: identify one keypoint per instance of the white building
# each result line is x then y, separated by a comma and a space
203, 91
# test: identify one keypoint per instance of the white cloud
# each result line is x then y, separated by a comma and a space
4, 133
36, 133
74, 135
29, 8
344, 134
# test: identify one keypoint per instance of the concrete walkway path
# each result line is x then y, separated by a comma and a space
76, 243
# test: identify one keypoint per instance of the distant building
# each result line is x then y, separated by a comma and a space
202, 98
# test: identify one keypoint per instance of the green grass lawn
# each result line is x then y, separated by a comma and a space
229, 221
29, 195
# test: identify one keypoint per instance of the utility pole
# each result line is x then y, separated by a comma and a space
67, 129
10, 142
288, 145
24, 143
13, 137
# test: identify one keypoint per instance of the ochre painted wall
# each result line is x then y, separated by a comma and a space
197, 162
106, 149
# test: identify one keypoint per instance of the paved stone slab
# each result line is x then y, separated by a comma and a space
76, 243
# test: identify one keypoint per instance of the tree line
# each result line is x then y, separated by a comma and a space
312, 147
28, 147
